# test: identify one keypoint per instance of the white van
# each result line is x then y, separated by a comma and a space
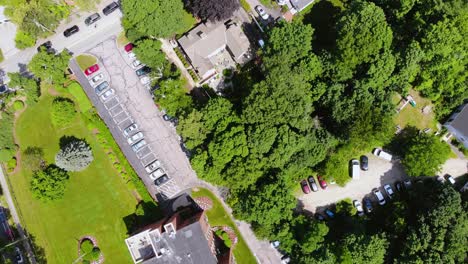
355, 171
382, 154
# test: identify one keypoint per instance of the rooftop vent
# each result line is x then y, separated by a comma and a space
170, 230
201, 34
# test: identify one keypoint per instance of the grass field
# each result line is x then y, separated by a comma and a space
217, 216
95, 202
85, 61
413, 116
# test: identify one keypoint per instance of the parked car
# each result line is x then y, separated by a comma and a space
70, 31
128, 47
367, 205
407, 184
450, 179
18, 256
47, 46
355, 172
93, 81
161, 180
153, 166
107, 94
135, 138
358, 207
128, 130
145, 80
143, 71
399, 186
281, 2
139, 145
101, 87
364, 163
131, 55
156, 174
312, 183
275, 244
330, 213
305, 187
285, 259
92, 19
110, 8
92, 69
166, 117
322, 182
388, 189
136, 64
264, 15
382, 154
379, 196
319, 217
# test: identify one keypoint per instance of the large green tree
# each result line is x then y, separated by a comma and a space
50, 68
29, 86
49, 184
75, 155
172, 97
149, 52
62, 112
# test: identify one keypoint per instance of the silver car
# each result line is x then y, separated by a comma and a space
379, 196
128, 130
156, 174
358, 207
106, 95
96, 79
135, 138
389, 190
153, 166
136, 147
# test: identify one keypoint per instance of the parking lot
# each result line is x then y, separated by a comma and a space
380, 172
132, 103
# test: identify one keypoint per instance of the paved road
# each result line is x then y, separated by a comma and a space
380, 172
14, 215
87, 37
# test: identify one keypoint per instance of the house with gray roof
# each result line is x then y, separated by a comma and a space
457, 124
204, 42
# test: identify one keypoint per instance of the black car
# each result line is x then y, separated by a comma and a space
161, 180
47, 46
399, 186
364, 163
68, 32
312, 183
110, 8
142, 71
367, 205
92, 19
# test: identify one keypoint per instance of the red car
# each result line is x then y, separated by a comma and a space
128, 47
91, 70
305, 187
322, 182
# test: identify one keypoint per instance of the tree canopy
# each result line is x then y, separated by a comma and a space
74, 155
213, 10
50, 68
49, 184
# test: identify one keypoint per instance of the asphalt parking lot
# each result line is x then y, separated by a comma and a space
132, 103
380, 172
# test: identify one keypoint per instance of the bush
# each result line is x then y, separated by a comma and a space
23, 40
63, 112
33, 158
11, 165
18, 105
7, 142
74, 155
49, 184
225, 237
89, 252
346, 207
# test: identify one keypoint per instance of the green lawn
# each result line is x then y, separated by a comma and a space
95, 202
81, 98
413, 116
217, 216
85, 61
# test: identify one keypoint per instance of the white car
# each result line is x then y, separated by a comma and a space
136, 147
281, 2
275, 244
382, 154
389, 190
128, 130
131, 55
153, 166
135, 138
264, 15
379, 196
107, 94
450, 179
145, 80
156, 174
358, 207
96, 79
136, 64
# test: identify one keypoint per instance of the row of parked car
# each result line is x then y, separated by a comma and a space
363, 162
134, 136
141, 70
92, 19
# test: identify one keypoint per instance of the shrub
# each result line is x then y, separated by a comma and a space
63, 112
1, 55
11, 165
89, 252
23, 40
49, 184
33, 158
18, 105
74, 155
225, 237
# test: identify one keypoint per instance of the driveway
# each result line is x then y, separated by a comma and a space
380, 172
274, 11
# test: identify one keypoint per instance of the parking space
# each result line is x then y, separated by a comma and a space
132, 103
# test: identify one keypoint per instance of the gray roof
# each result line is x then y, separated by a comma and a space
301, 4
188, 245
460, 123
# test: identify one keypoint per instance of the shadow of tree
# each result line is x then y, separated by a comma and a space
65, 140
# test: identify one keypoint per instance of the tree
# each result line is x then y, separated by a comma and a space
62, 112
361, 249
75, 155
23, 40
425, 155
155, 19
149, 52
33, 158
29, 86
172, 97
49, 184
213, 10
50, 68
346, 207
